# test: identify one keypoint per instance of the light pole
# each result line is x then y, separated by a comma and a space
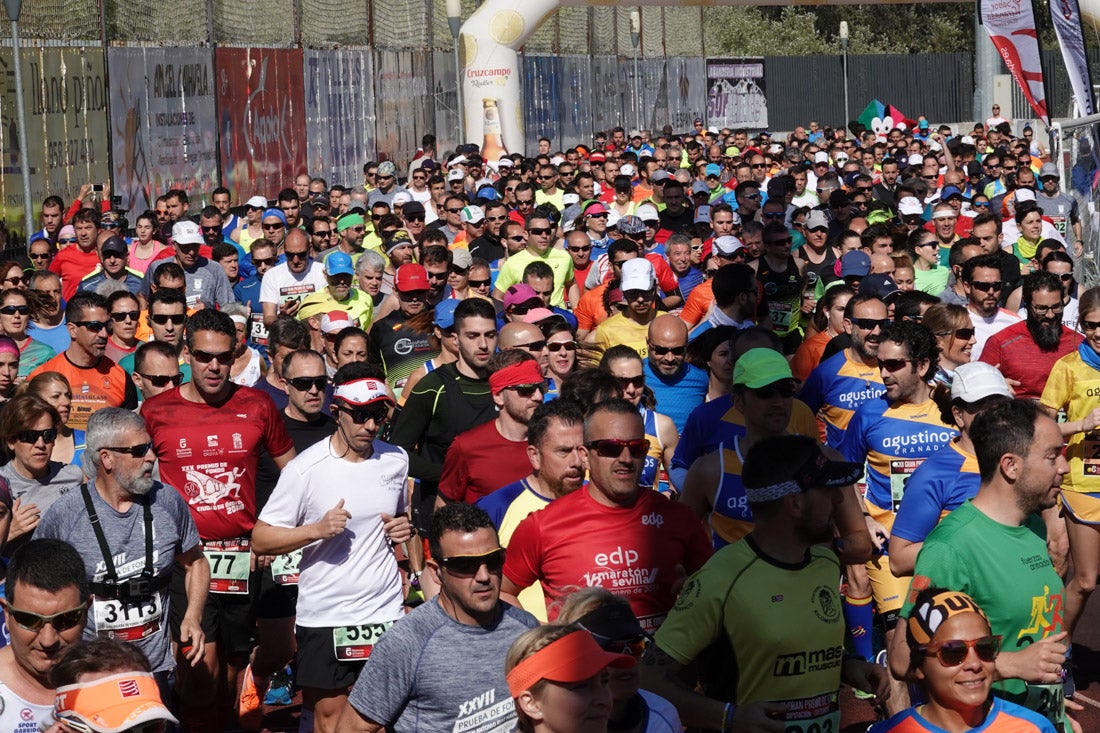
14, 7
635, 38
844, 49
454, 20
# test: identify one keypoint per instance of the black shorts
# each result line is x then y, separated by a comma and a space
274, 600
228, 620
317, 664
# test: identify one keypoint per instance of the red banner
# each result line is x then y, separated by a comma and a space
261, 112
1011, 27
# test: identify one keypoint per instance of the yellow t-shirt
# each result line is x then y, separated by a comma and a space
618, 329
1075, 386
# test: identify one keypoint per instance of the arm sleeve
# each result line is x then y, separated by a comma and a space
696, 306
269, 291
991, 352
696, 619
284, 507
1058, 387
223, 291
937, 567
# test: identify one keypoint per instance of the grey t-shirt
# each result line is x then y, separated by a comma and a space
173, 534
206, 282
431, 673
61, 479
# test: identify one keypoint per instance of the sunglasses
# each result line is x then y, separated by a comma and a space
303, 255
67, 240
631, 647
963, 334
16, 280
784, 241
163, 380
268, 262
162, 319
11, 310
979, 205
528, 390
359, 415
470, 564
328, 232
272, 227
496, 218
205, 357
613, 448
870, 324
480, 283
540, 231
41, 255
952, 653
93, 326
135, 451
119, 316
454, 211
784, 389
893, 365
986, 287
585, 248
414, 217
524, 203
61, 621
662, 350
637, 382
1065, 277
305, 384
30, 437
558, 346
533, 346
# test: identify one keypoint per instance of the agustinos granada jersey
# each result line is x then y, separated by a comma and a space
576, 542
209, 454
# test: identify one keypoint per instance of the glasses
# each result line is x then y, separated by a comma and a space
870, 324
597, 216
470, 564
11, 310
986, 287
163, 380
224, 358
893, 365
963, 334
30, 437
528, 390
662, 350
16, 280
540, 231
272, 227
637, 382
584, 248
774, 215
758, 165
1065, 277
784, 389
979, 204
414, 217
631, 647
380, 414
212, 229
93, 326
480, 283
1039, 310
533, 346
67, 240
454, 211
559, 345
267, 262
119, 316
460, 271
518, 238
307, 384
328, 232
524, 203
61, 621
303, 255
41, 255
952, 653
162, 319
784, 241
496, 218
135, 451
613, 448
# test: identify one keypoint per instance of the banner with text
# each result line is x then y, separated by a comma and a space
736, 93
164, 124
1011, 27
339, 114
1066, 17
261, 115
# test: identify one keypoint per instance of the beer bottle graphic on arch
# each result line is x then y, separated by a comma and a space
492, 147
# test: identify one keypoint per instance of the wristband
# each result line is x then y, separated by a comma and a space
727, 717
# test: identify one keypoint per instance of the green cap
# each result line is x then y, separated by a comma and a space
760, 367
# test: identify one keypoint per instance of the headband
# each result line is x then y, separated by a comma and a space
572, 658
274, 212
362, 392
930, 615
348, 220
112, 704
8, 345
817, 471
238, 319
513, 375
943, 214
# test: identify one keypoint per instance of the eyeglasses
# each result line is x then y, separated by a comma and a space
438, 275
613, 448
986, 287
662, 350
540, 231
979, 204
162, 319
41, 255
118, 316
758, 165
631, 647
11, 310
784, 241
16, 280
578, 250
1040, 310
211, 229
524, 203
785, 389
1065, 277
496, 218
893, 365
30, 437
93, 326
303, 255
328, 232
518, 238
305, 384
414, 217
533, 346
870, 324
480, 283
268, 262
775, 215
460, 271
559, 345
470, 564
205, 357
636, 382
163, 380
135, 451
528, 390
380, 414
952, 653
61, 621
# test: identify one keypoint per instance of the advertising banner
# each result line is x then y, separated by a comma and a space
1011, 27
339, 114
736, 95
1066, 17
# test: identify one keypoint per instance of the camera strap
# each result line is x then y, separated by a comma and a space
104, 548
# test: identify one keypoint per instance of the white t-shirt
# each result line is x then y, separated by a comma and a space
19, 716
351, 579
421, 196
281, 285
986, 327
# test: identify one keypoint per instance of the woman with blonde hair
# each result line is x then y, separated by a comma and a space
954, 332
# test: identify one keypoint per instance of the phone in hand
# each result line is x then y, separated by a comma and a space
97, 187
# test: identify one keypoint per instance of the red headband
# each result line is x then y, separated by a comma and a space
525, 372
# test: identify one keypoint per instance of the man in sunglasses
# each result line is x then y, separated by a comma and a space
339, 293
156, 368
894, 434
630, 327
783, 582
205, 281
1019, 451
984, 287
207, 435
285, 285
386, 184
132, 532
680, 387
612, 532
98, 381
45, 607
113, 254
487, 244
541, 237
165, 317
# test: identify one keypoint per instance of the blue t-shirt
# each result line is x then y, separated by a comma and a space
677, 396
836, 388
942, 483
57, 337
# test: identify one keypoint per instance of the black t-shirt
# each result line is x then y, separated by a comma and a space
487, 248
677, 224
303, 434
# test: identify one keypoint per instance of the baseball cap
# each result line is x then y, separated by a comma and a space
256, 202
732, 151
320, 199
461, 258
726, 246
339, 263
413, 208
909, 206
1024, 194
647, 212
702, 214
1048, 170
631, 225
568, 199
574, 657
699, 187
472, 215
455, 175
188, 232
387, 168
637, 274
660, 175
537, 315
597, 157
855, 263
821, 157
880, 285
950, 192
410, 277
923, 124
626, 170
118, 702
362, 392
445, 312
398, 239
712, 169
519, 293
977, 380
401, 198
593, 207
635, 133
612, 622
335, 321
114, 244
916, 159
816, 219
760, 367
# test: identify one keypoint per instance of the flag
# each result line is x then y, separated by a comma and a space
1011, 27
1066, 16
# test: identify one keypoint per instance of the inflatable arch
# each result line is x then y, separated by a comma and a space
492, 99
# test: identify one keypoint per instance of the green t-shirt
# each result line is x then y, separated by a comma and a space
1008, 571
932, 281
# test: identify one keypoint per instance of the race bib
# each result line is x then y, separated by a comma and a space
900, 471
284, 568
124, 621
354, 643
819, 714
781, 315
1090, 454
258, 332
230, 565
1047, 700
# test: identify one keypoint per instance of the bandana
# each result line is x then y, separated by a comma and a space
929, 616
525, 372
349, 220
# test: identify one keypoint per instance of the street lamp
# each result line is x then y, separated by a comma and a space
14, 7
844, 48
635, 37
454, 20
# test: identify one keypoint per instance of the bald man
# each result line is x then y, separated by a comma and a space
679, 386
882, 264
526, 336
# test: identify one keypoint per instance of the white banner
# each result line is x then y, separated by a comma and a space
1066, 16
1011, 27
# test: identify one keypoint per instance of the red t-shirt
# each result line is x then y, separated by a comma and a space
210, 453
72, 265
480, 461
633, 552
1014, 352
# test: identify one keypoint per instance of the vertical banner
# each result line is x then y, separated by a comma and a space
540, 99
1011, 27
262, 119
339, 112
65, 96
1066, 17
164, 124
736, 93
401, 100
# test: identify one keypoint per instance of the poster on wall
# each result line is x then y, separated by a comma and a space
65, 97
736, 93
261, 115
164, 128
339, 114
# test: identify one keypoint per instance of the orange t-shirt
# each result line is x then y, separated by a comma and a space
104, 385
590, 311
698, 303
